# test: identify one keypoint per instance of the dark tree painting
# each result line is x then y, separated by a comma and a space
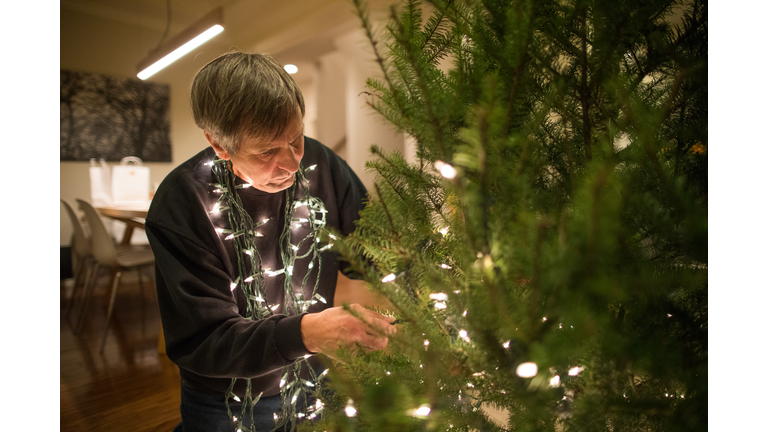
113, 117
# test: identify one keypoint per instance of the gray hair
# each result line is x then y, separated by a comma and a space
240, 95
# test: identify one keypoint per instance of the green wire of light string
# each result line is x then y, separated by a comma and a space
252, 282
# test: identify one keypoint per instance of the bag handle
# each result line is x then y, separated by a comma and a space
128, 159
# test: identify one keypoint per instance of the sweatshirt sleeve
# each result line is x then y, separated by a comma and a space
204, 331
351, 196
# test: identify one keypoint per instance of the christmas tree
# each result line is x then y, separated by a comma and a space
546, 252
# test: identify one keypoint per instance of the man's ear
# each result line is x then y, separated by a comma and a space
223, 154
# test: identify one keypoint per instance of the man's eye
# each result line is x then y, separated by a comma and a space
269, 153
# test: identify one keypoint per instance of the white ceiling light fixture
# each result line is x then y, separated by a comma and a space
291, 69
190, 38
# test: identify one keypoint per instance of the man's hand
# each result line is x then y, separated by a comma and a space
334, 328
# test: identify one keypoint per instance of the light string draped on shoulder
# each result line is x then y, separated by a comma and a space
301, 210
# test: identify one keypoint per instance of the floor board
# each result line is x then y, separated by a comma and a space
131, 387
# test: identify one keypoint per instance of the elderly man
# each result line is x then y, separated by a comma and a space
251, 112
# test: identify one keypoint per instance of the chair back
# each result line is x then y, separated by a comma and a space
102, 245
81, 245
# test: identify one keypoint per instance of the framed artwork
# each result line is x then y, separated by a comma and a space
113, 117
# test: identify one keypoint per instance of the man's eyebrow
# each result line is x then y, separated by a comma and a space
301, 133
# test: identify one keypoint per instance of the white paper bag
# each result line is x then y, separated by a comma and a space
130, 183
101, 185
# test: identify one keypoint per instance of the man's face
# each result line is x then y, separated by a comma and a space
268, 165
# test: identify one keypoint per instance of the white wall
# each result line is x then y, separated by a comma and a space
89, 44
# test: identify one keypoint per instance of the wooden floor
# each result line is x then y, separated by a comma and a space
131, 387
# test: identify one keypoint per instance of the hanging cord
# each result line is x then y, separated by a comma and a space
167, 25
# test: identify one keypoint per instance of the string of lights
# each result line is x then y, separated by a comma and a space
301, 211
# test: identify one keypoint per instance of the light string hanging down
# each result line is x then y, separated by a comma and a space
251, 279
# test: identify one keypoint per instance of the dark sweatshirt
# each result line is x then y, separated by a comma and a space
206, 332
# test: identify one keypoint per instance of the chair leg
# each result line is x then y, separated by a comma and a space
90, 282
84, 270
109, 311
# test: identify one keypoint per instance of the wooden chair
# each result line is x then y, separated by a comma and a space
117, 258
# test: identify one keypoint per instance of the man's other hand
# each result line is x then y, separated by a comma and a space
327, 331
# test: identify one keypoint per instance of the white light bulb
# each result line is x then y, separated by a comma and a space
232, 286
506, 344
291, 69
555, 382
440, 305
439, 296
575, 371
350, 410
389, 278
444, 231
446, 170
422, 410
527, 370
462, 333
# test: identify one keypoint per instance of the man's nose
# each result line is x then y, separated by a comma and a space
289, 159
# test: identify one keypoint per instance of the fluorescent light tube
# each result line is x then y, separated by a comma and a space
179, 52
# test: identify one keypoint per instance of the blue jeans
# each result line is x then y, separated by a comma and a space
203, 412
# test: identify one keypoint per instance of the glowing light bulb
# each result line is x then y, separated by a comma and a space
506, 344
439, 296
462, 333
440, 305
575, 371
446, 170
527, 370
232, 286
423, 410
350, 409
389, 278
445, 266
555, 381
237, 399
444, 231
426, 343
291, 69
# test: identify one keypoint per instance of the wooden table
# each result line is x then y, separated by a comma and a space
129, 215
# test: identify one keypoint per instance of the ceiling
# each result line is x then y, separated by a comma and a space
148, 13
294, 31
